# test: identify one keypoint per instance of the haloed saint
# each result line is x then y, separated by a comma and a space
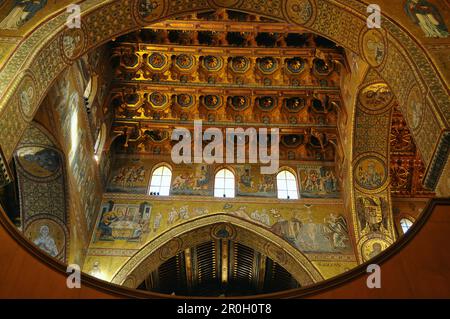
427, 16
21, 12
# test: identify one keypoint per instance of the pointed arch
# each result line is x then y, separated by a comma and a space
202, 229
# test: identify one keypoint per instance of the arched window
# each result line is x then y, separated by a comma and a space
160, 182
224, 184
287, 185
405, 223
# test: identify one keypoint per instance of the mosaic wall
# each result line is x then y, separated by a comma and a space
133, 175
372, 212
75, 106
19, 13
318, 181
128, 222
192, 180
42, 189
130, 175
78, 142
387, 53
250, 182
407, 68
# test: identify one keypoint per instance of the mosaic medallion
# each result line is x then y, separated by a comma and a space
415, 109
299, 11
38, 161
376, 97
223, 231
149, 10
73, 43
48, 236
170, 249
373, 247
374, 47
225, 3
27, 96
370, 173
276, 253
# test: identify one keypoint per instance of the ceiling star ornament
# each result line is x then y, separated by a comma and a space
295, 65
292, 140
158, 100
267, 65
212, 102
184, 62
212, 63
294, 104
130, 60
239, 103
266, 103
185, 100
158, 62
240, 64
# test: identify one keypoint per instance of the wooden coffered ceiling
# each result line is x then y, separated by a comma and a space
219, 268
228, 69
